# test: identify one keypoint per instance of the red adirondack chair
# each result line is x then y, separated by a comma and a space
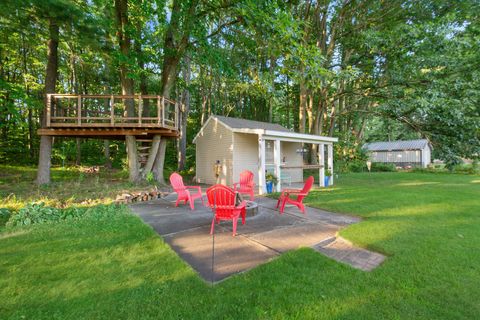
222, 201
182, 191
300, 193
246, 184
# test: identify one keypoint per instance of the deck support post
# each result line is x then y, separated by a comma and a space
262, 188
321, 162
276, 161
330, 162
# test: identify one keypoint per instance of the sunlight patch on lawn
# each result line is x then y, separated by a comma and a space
416, 183
13, 234
475, 181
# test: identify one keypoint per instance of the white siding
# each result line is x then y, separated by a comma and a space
396, 156
292, 158
426, 156
215, 142
245, 155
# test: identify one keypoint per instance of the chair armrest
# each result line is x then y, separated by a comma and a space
241, 205
291, 190
194, 187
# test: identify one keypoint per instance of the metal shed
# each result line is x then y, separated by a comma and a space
415, 153
240, 144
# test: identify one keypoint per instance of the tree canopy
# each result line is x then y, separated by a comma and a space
357, 70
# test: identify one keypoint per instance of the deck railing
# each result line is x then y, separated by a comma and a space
128, 111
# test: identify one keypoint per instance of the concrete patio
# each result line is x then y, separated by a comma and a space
263, 237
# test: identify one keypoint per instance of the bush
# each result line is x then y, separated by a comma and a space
383, 167
38, 213
356, 166
4, 216
465, 169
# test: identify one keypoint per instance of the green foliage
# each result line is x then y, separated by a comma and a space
271, 177
5, 214
38, 213
383, 167
452, 161
150, 177
356, 166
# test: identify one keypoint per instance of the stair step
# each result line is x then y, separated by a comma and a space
143, 148
144, 140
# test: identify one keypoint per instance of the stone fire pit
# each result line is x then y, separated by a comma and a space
251, 208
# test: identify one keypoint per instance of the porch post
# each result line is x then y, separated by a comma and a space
330, 162
276, 161
262, 188
321, 162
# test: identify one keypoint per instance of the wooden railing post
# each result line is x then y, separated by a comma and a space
79, 110
158, 110
49, 108
177, 109
140, 109
163, 111
112, 111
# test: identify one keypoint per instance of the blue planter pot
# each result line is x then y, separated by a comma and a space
269, 186
327, 181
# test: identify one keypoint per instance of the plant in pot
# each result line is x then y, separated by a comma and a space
328, 174
271, 180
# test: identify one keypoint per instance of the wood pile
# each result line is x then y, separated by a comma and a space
138, 196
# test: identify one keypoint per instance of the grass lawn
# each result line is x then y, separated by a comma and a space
428, 225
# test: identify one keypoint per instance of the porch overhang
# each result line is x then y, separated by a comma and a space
283, 136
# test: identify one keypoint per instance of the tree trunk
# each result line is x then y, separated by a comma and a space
30, 132
176, 42
183, 113
121, 9
132, 157
302, 107
106, 150
159, 161
45, 156
78, 158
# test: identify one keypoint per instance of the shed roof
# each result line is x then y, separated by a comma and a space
237, 123
266, 130
397, 145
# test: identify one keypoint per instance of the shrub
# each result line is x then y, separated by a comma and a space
4, 216
383, 167
465, 169
356, 166
38, 213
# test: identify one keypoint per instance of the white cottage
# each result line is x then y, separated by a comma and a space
239, 144
415, 153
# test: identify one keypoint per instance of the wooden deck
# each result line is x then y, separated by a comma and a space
105, 116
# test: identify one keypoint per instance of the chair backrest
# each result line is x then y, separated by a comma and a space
306, 188
246, 179
177, 183
221, 199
